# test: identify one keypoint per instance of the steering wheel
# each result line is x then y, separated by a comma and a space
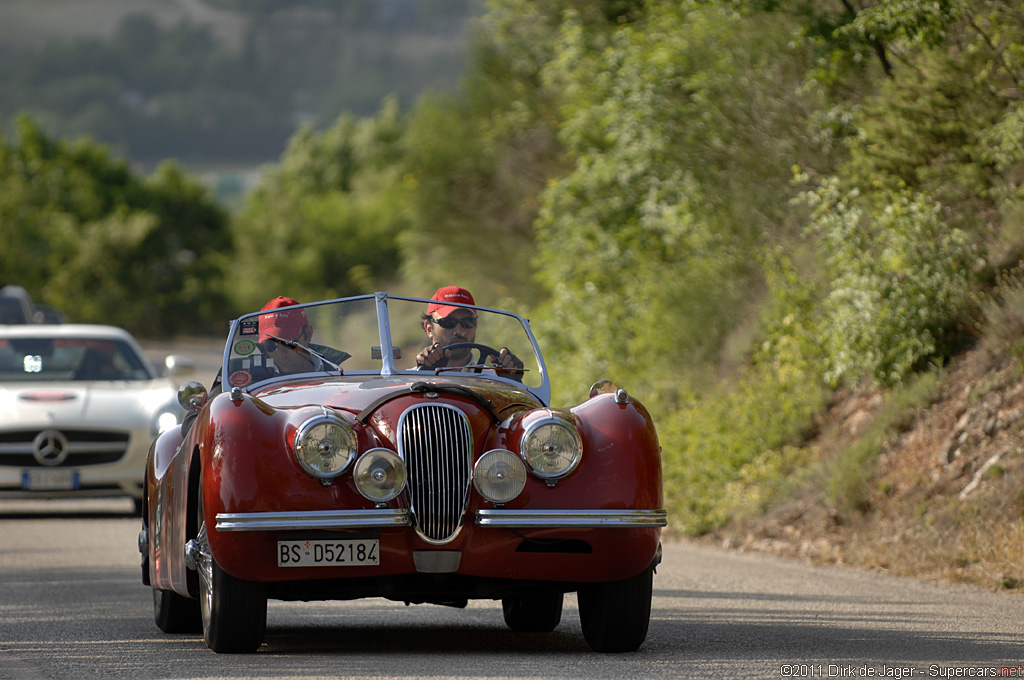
485, 350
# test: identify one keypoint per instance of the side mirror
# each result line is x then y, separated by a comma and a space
192, 396
177, 365
608, 387
602, 387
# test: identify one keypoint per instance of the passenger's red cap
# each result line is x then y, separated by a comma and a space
287, 324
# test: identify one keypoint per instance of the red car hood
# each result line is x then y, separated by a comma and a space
348, 395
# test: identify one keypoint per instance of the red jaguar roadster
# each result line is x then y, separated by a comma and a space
324, 463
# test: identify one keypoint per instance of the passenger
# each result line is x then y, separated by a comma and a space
282, 337
290, 324
447, 324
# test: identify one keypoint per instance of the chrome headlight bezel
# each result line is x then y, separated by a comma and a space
324, 436
551, 447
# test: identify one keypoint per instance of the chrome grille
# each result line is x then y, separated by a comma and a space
435, 442
85, 447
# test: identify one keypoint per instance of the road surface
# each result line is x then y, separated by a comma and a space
72, 606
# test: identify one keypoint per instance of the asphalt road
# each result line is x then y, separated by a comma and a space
72, 606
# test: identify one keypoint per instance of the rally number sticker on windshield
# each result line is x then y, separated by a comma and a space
328, 553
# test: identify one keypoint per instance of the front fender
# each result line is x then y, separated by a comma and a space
163, 494
248, 466
622, 452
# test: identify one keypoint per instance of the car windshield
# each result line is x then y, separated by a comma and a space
346, 336
11, 310
50, 359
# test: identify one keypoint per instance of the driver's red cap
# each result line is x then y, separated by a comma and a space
287, 324
449, 294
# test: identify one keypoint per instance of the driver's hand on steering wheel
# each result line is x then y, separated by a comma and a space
433, 356
508, 361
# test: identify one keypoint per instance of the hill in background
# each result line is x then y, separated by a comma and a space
215, 83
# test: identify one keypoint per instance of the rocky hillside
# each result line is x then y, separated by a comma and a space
946, 498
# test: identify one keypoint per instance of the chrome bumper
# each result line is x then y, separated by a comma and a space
313, 519
572, 519
498, 518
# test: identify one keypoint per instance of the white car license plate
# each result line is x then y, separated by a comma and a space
322, 552
49, 480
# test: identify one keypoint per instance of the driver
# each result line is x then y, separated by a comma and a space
447, 324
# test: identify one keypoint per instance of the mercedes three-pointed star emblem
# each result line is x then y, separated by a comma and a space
50, 447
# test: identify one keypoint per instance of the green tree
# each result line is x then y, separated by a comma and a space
82, 232
680, 150
325, 221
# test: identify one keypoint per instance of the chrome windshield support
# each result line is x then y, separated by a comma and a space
384, 330
314, 519
572, 519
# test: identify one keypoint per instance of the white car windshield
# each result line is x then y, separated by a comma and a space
63, 359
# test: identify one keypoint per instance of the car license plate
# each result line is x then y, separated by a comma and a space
321, 552
49, 480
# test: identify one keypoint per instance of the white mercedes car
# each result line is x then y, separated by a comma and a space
79, 407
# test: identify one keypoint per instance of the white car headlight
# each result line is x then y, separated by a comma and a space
552, 447
499, 475
165, 420
324, 446
379, 475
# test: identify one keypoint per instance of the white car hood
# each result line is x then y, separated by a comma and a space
122, 405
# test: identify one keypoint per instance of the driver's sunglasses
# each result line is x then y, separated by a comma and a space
466, 322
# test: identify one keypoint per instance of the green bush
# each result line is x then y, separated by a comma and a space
899, 280
740, 436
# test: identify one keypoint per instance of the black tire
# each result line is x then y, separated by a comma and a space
234, 613
533, 613
174, 613
615, 616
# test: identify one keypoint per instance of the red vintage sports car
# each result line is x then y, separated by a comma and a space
331, 467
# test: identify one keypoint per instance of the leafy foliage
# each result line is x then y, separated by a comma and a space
900, 279
651, 233
322, 223
83, 233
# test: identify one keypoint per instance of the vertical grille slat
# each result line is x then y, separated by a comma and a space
435, 442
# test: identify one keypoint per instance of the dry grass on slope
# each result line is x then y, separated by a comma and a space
944, 500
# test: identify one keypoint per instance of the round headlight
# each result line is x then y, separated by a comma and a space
165, 420
324, 446
379, 475
551, 447
499, 475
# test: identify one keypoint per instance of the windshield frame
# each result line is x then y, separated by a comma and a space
388, 365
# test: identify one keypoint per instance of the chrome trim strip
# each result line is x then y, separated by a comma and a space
312, 519
572, 519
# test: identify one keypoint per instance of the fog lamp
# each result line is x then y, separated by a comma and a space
379, 475
499, 475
